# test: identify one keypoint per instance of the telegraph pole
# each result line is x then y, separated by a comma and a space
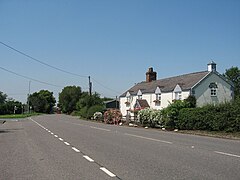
29, 89
90, 85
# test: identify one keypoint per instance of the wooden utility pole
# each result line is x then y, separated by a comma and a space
90, 85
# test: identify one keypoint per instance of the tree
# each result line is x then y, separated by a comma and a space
3, 97
68, 98
88, 105
42, 101
233, 74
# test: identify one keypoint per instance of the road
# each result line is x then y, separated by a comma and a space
64, 147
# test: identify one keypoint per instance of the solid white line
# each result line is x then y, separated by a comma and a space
133, 135
75, 149
56, 136
227, 154
100, 128
60, 139
107, 172
88, 158
66, 143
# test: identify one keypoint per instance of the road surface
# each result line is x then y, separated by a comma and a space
64, 147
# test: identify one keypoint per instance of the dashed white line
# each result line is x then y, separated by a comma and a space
60, 139
75, 149
52, 133
227, 154
67, 143
107, 172
88, 158
56, 136
142, 137
99, 128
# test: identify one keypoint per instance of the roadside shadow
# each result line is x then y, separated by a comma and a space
10, 130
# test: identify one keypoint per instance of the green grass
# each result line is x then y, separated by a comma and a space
15, 116
219, 134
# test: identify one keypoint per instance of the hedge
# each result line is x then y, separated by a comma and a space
222, 117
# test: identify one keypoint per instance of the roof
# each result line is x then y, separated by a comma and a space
142, 103
186, 82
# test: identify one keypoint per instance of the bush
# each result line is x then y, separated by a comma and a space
112, 116
93, 109
222, 117
149, 117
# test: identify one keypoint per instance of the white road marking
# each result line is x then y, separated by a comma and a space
88, 158
75, 149
56, 136
49, 131
100, 128
60, 139
158, 140
227, 154
107, 172
66, 143
52, 133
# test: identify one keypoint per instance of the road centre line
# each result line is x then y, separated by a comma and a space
88, 158
75, 149
67, 143
152, 139
60, 139
56, 136
99, 128
107, 172
227, 154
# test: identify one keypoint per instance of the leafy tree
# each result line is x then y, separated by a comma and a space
42, 101
233, 74
88, 101
88, 105
68, 98
3, 97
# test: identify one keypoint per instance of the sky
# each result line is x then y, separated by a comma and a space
112, 41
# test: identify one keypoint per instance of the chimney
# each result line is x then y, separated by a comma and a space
151, 75
212, 66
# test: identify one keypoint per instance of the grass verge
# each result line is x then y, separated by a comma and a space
219, 134
17, 116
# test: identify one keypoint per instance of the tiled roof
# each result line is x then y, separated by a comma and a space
186, 82
143, 103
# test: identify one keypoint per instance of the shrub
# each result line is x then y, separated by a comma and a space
112, 116
149, 117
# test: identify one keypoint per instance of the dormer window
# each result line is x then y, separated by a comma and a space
158, 95
213, 89
178, 92
128, 96
139, 94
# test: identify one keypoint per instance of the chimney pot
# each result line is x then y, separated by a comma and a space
151, 75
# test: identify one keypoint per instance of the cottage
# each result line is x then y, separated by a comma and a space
208, 87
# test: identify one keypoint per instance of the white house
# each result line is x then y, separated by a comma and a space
209, 87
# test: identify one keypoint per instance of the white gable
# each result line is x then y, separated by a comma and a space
139, 93
128, 94
177, 89
158, 91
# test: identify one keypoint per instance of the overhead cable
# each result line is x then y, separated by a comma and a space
29, 78
41, 62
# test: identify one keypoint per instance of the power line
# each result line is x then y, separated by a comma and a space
41, 62
105, 86
29, 78
56, 68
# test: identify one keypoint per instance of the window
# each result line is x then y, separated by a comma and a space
213, 89
158, 97
213, 92
178, 95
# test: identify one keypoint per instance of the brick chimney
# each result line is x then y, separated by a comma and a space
151, 75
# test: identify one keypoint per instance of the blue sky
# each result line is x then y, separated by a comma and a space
113, 41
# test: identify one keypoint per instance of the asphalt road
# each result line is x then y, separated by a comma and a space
64, 147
